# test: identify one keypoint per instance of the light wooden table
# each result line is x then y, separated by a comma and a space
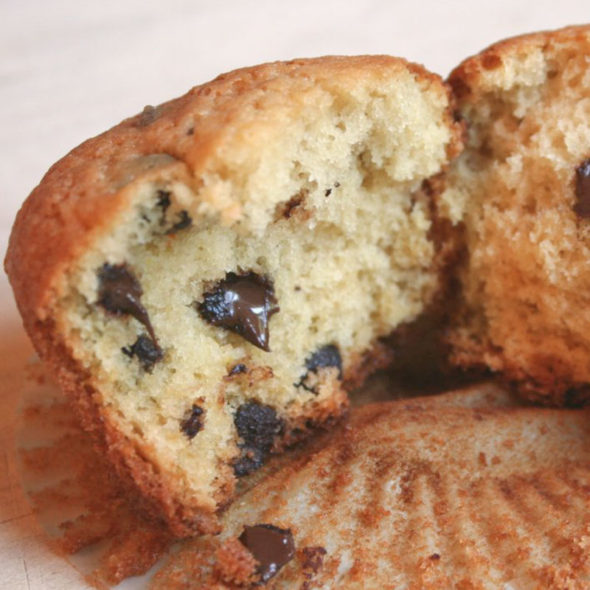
71, 68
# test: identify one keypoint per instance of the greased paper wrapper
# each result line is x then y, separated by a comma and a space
463, 488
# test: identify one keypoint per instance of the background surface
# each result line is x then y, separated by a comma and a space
71, 69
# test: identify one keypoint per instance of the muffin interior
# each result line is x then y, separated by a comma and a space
221, 313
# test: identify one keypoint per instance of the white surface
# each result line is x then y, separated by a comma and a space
70, 69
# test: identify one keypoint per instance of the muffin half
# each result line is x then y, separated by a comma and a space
207, 277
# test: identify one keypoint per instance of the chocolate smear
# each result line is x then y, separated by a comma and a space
146, 350
242, 304
120, 293
257, 426
271, 546
582, 206
192, 423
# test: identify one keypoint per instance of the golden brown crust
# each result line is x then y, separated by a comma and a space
466, 78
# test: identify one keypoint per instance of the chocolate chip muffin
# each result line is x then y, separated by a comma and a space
208, 277
522, 188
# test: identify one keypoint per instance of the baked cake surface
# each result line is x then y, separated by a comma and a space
522, 190
461, 490
207, 277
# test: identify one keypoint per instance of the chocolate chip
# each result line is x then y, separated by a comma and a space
184, 222
250, 460
327, 192
242, 304
163, 199
239, 368
582, 206
119, 292
326, 356
271, 546
257, 426
147, 352
435, 557
192, 423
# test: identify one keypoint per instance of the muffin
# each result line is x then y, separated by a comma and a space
208, 278
521, 190
461, 490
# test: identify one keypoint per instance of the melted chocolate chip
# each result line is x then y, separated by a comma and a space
582, 206
184, 222
250, 460
242, 304
147, 352
271, 546
192, 423
257, 426
120, 293
326, 356
163, 199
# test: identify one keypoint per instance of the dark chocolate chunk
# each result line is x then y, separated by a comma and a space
249, 461
163, 199
192, 423
147, 116
146, 350
242, 304
326, 356
271, 546
327, 192
120, 293
582, 206
185, 220
257, 426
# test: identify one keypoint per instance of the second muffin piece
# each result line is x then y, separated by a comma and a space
524, 179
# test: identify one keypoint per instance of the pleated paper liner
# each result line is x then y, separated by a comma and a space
459, 490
